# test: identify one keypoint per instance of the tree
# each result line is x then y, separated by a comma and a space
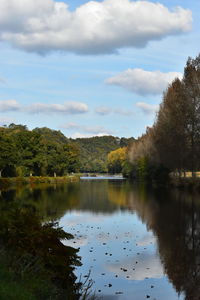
191, 82
116, 160
170, 129
174, 139
31, 151
8, 152
72, 153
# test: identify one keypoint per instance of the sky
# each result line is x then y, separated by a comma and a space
92, 68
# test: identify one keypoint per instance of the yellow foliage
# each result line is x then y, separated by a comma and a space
117, 155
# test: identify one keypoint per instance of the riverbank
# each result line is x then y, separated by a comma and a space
18, 181
185, 182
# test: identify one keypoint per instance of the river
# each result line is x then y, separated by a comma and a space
135, 242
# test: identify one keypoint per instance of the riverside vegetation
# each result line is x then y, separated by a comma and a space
172, 144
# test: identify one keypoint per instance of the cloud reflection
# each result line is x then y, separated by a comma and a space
148, 266
147, 240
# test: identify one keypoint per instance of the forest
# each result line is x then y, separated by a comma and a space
46, 152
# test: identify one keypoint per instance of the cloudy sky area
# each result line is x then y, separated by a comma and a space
92, 68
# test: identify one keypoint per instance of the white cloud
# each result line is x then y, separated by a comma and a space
9, 105
143, 82
104, 110
87, 131
70, 107
77, 135
6, 121
147, 108
93, 28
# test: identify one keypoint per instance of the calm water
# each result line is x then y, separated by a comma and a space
137, 243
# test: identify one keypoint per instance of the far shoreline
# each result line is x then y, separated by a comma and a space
19, 181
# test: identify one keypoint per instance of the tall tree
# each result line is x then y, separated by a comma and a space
191, 82
170, 129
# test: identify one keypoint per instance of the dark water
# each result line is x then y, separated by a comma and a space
137, 243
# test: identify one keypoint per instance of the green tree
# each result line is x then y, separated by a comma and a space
8, 152
30, 151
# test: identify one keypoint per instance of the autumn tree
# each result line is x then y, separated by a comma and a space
191, 81
170, 129
116, 160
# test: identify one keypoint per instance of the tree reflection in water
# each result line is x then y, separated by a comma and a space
35, 264
174, 217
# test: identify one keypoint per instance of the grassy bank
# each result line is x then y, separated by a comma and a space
17, 181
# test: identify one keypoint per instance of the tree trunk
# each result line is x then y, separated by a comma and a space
1, 173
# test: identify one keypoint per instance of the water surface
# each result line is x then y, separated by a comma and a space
136, 243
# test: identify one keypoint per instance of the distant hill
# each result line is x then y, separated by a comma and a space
94, 151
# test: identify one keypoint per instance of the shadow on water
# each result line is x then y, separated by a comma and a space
173, 217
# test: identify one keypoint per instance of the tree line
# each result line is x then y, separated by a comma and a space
24, 152
46, 152
172, 144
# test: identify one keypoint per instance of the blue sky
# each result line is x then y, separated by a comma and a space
92, 68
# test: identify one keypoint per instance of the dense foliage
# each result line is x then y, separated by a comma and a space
46, 152
94, 151
173, 143
24, 152
116, 160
